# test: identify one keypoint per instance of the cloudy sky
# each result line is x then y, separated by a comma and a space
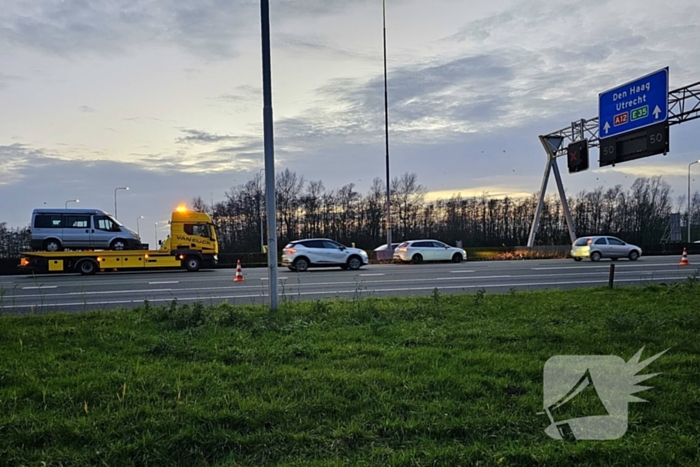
164, 96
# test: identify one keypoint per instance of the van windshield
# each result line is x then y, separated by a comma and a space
115, 221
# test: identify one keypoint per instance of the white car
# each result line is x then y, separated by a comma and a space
418, 251
322, 252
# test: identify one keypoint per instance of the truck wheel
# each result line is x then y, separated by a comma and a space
193, 263
118, 244
52, 245
87, 267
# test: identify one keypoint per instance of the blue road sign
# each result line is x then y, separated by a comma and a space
634, 105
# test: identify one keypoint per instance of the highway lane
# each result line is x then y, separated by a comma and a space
73, 292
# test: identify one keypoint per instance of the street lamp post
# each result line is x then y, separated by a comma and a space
690, 217
138, 230
71, 201
115, 199
262, 236
156, 230
386, 130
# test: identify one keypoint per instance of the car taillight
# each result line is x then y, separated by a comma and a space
291, 251
24, 262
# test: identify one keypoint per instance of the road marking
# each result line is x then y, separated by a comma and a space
267, 278
339, 292
462, 271
164, 282
472, 277
602, 266
40, 287
377, 274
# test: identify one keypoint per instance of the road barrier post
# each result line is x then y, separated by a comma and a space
612, 276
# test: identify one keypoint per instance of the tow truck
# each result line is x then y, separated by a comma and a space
191, 245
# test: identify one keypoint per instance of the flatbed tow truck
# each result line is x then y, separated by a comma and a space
191, 245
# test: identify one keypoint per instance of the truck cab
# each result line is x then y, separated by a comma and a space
191, 233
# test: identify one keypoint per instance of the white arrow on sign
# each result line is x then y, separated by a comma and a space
606, 127
656, 112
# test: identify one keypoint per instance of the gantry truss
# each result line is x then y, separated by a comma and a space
683, 106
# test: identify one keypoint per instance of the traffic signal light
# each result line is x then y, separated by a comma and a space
577, 156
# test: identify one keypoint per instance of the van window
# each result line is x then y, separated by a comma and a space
76, 222
105, 223
47, 221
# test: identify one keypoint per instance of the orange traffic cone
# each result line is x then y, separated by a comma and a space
239, 273
684, 258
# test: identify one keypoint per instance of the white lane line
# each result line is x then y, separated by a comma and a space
164, 282
267, 278
331, 292
375, 274
40, 287
343, 283
462, 271
606, 266
472, 277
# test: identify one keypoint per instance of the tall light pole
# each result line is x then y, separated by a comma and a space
70, 201
269, 155
138, 230
262, 234
156, 230
386, 130
115, 199
690, 217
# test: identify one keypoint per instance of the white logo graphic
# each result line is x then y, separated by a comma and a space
586, 397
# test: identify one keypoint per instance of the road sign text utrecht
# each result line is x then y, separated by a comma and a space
634, 105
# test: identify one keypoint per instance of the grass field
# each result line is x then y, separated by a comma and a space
444, 380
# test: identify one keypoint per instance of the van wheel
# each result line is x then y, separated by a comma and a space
52, 245
193, 263
118, 244
87, 267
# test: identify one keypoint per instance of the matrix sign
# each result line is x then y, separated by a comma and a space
635, 105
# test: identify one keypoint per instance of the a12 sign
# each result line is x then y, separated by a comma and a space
577, 156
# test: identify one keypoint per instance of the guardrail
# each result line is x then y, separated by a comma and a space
228, 260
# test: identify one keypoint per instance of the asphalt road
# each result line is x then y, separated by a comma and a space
73, 292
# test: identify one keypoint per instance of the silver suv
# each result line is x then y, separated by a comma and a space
597, 247
322, 252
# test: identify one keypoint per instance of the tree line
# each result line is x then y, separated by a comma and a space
307, 209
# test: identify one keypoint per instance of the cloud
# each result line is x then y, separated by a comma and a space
86, 109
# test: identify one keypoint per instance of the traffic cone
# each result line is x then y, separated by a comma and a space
239, 273
684, 258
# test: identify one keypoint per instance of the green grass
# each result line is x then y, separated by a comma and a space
445, 380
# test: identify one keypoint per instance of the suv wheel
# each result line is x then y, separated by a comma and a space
301, 264
354, 263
